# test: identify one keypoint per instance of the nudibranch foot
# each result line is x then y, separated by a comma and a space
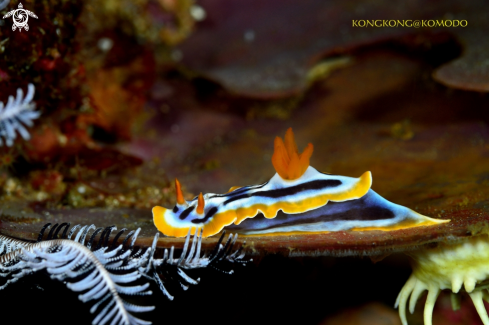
454, 266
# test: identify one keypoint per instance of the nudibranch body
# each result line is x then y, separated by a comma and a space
298, 198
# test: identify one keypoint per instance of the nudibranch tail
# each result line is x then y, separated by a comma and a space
288, 163
450, 266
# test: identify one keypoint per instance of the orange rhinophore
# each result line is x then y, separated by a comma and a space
200, 204
286, 159
178, 187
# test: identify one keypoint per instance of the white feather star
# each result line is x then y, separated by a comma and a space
102, 274
18, 112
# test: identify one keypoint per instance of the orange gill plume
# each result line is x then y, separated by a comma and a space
286, 159
178, 188
200, 204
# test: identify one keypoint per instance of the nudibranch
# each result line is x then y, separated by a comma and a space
298, 198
